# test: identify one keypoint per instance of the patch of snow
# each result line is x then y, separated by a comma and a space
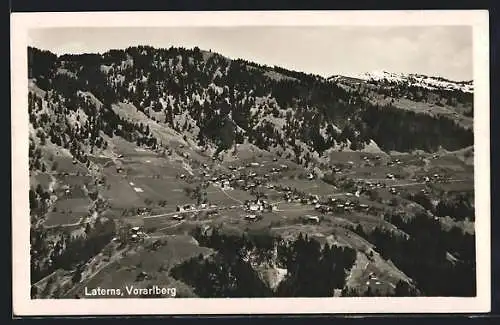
418, 80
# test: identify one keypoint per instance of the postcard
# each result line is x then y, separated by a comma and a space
273, 162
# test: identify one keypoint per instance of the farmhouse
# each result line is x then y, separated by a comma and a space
312, 219
254, 207
251, 217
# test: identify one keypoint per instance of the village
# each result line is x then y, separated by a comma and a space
272, 187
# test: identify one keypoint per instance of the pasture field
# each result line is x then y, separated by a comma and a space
346, 237
374, 273
62, 160
376, 172
160, 189
292, 231
227, 198
451, 162
74, 180
61, 219
155, 263
65, 165
321, 189
156, 224
120, 194
459, 186
344, 157
152, 167
292, 209
43, 179
75, 192
120, 146
313, 187
68, 211
411, 159
101, 160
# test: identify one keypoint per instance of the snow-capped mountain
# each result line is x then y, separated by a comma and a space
418, 80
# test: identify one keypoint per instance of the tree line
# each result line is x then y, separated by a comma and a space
442, 263
313, 270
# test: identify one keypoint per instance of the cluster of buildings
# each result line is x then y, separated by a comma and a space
432, 178
192, 207
247, 181
394, 162
253, 217
136, 233
339, 206
310, 219
259, 205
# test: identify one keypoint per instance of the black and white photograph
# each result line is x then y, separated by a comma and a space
164, 160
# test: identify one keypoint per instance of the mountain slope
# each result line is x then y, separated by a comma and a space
217, 102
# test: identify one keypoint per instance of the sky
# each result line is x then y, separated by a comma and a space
444, 51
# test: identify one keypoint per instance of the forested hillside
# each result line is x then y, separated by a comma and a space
217, 102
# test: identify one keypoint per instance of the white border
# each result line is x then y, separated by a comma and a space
23, 305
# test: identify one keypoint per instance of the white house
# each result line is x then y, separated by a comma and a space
254, 207
178, 217
250, 217
314, 219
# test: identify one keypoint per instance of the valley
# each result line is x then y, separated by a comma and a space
229, 179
